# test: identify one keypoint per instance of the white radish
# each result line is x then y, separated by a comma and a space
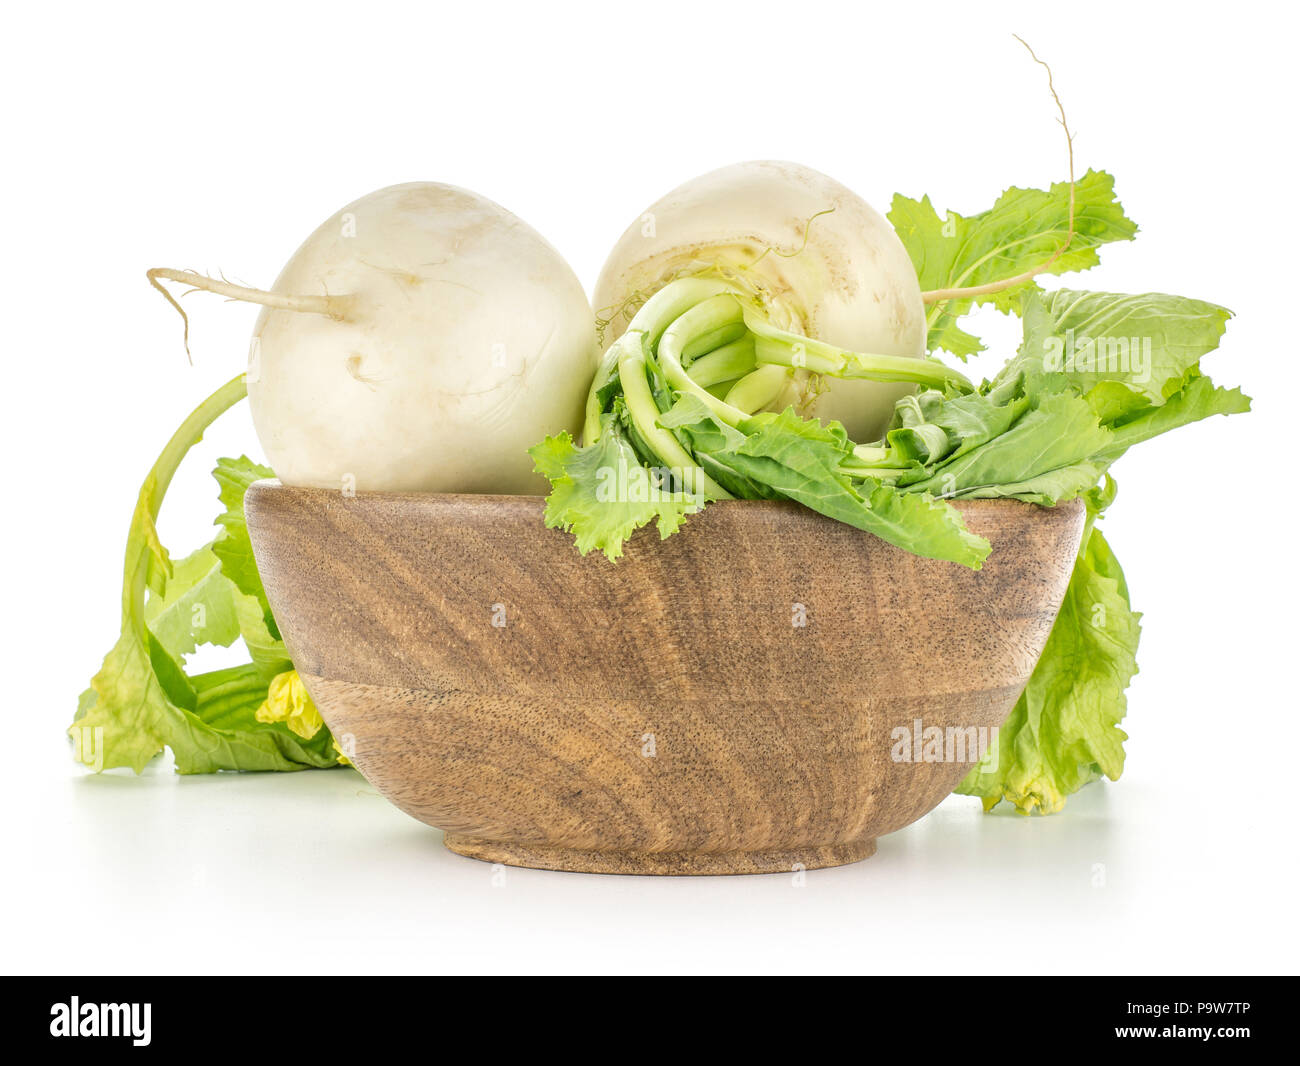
820, 260
421, 339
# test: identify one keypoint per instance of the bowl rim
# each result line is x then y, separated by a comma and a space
498, 498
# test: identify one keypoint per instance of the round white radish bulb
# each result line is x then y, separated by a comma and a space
824, 263
429, 338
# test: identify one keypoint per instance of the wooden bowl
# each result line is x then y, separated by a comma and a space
751, 694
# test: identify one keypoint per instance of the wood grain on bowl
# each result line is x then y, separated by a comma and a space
752, 694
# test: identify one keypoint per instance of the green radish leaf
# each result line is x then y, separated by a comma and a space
1020, 232
1047, 455
930, 427
1146, 343
802, 460
196, 608
1064, 730
232, 545
1198, 399
142, 700
602, 493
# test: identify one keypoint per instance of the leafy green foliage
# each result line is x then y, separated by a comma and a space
803, 461
232, 545
604, 493
142, 700
1020, 232
1145, 344
1064, 730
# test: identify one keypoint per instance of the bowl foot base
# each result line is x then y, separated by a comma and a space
577, 860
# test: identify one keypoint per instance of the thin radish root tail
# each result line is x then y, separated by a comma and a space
152, 275
335, 307
934, 296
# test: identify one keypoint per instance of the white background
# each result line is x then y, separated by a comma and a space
218, 137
